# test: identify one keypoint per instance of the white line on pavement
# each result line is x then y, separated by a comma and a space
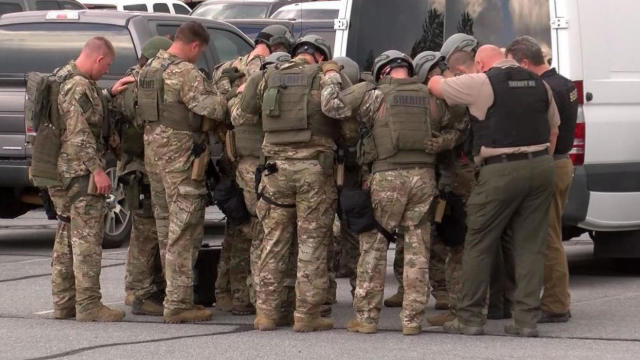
44, 312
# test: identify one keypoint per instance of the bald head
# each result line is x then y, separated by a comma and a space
487, 56
96, 57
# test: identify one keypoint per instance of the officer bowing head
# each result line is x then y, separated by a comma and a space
392, 63
313, 49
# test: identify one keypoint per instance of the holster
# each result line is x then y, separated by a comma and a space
230, 200
452, 229
357, 213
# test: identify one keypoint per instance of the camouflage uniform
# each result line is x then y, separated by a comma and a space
178, 200
143, 275
234, 268
401, 198
77, 252
304, 179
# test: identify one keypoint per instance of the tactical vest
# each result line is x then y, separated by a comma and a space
248, 140
132, 130
401, 128
151, 105
518, 115
291, 108
42, 113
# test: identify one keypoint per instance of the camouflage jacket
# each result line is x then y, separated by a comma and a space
244, 64
250, 107
81, 108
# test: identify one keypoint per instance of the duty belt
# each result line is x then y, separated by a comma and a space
513, 157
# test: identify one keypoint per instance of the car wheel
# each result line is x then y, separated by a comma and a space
118, 219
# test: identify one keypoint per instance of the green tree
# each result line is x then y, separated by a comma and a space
432, 33
465, 24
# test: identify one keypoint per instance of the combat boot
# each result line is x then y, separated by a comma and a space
147, 307
455, 327
513, 329
224, 302
194, 314
308, 324
356, 325
440, 319
101, 313
263, 323
411, 330
240, 310
394, 300
325, 310
67, 313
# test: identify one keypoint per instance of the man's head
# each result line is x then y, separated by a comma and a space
312, 48
190, 41
350, 68
425, 65
487, 56
276, 38
461, 62
459, 42
392, 63
526, 51
151, 48
276, 58
96, 57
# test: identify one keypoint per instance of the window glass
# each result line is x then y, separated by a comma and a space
161, 8
231, 11
70, 5
181, 9
227, 44
47, 5
136, 7
45, 46
6, 8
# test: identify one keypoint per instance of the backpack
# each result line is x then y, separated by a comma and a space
41, 114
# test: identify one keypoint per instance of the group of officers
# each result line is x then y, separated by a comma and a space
462, 150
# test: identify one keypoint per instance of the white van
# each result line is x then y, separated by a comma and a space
314, 10
152, 6
592, 43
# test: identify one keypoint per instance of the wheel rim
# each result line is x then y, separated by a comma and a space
117, 216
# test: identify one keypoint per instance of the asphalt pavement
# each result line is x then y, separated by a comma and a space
605, 309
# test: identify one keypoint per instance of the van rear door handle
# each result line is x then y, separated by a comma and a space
588, 96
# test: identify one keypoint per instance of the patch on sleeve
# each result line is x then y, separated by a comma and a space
85, 103
573, 96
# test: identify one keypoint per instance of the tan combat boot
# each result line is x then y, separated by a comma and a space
67, 313
101, 313
224, 302
308, 324
411, 330
356, 325
440, 319
147, 307
195, 314
263, 323
394, 300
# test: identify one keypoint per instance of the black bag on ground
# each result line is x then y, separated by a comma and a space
230, 200
452, 229
205, 273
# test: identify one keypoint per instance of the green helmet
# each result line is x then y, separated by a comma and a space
317, 42
276, 58
459, 41
394, 58
155, 44
423, 63
275, 34
350, 68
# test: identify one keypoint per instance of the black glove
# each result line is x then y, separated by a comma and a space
198, 148
232, 74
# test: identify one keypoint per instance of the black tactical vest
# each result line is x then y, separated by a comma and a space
518, 115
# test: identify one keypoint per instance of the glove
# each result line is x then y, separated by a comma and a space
330, 66
437, 143
231, 94
232, 74
198, 148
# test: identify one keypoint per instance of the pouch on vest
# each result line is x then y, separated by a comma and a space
357, 213
270, 102
452, 228
230, 200
44, 158
36, 102
150, 90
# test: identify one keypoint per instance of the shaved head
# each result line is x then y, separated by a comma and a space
98, 46
487, 56
461, 62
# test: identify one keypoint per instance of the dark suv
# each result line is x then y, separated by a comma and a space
42, 41
11, 6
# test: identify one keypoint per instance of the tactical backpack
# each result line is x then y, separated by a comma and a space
41, 113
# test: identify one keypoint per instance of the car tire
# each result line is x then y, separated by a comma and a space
118, 219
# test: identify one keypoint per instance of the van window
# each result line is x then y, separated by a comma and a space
231, 11
315, 14
47, 5
70, 5
227, 44
136, 7
170, 30
161, 8
6, 8
23, 50
181, 9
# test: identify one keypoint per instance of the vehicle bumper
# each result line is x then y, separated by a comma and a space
14, 173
